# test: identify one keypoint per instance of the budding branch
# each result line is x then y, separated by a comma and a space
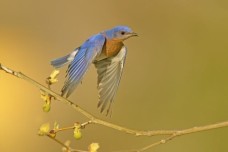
94, 120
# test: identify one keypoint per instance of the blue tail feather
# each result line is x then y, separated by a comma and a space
59, 62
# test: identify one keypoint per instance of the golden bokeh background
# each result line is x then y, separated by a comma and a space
176, 73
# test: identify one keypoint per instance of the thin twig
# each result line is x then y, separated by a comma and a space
184, 132
63, 129
82, 126
68, 149
163, 141
59, 142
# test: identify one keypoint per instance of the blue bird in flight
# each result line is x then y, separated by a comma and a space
108, 53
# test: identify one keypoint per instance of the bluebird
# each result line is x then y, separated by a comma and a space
108, 53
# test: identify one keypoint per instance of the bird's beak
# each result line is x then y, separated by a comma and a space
133, 34
130, 34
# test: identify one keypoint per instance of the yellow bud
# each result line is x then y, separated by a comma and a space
53, 77
46, 106
56, 126
46, 97
77, 133
93, 147
44, 129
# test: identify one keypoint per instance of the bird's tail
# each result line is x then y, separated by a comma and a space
59, 62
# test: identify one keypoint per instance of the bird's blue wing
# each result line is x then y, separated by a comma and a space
109, 74
84, 57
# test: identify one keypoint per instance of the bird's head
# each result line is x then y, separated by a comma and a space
120, 33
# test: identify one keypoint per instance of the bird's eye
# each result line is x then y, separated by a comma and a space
122, 33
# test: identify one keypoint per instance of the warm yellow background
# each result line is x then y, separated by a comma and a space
176, 74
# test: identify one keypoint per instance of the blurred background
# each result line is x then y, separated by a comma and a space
175, 75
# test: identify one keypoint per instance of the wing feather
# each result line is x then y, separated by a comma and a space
82, 60
109, 74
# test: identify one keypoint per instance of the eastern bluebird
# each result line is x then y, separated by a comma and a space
107, 52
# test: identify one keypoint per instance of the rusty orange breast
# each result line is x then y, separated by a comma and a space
112, 47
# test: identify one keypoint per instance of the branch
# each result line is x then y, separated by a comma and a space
65, 146
162, 141
185, 132
93, 120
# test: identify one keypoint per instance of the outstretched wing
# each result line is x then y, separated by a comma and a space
84, 57
109, 74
